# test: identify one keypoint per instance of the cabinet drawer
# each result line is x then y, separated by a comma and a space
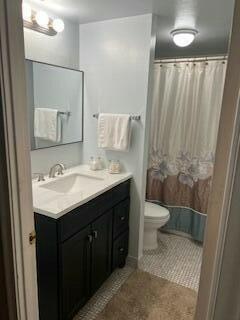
120, 251
121, 217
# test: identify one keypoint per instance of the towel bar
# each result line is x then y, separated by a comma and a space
137, 118
65, 113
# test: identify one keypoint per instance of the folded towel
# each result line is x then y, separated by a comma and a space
47, 124
114, 131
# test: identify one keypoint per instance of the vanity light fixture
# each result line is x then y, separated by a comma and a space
42, 19
58, 25
183, 37
39, 21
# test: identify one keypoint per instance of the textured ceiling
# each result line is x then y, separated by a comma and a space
212, 18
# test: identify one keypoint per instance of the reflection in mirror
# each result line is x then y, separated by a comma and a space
55, 104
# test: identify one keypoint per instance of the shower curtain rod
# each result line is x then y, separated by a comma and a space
191, 59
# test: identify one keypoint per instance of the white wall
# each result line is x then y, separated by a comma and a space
115, 56
63, 50
43, 159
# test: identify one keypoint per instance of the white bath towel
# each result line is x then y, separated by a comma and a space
114, 131
47, 124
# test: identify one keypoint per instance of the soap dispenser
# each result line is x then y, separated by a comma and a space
93, 164
99, 163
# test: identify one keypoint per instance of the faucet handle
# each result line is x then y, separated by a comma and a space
40, 176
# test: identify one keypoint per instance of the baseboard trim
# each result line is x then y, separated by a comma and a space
132, 262
177, 233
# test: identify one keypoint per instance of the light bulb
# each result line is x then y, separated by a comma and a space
183, 37
26, 12
58, 25
42, 19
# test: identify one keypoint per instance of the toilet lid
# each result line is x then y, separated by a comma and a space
155, 211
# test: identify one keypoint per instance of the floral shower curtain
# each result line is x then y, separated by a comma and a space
185, 119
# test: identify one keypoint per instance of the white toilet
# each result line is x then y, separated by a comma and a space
155, 217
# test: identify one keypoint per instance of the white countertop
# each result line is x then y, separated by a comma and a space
55, 204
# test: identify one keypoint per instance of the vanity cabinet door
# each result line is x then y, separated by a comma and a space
75, 266
101, 250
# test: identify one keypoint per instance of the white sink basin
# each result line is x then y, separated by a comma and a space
58, 196
72, 183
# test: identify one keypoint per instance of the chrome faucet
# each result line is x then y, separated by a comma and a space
59, 167
40, 176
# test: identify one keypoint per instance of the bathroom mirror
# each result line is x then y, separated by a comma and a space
55, 104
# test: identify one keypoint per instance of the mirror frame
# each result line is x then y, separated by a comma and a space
78, 70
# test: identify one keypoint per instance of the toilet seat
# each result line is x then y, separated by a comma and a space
154, 212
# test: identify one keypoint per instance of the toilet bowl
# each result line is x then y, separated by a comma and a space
155, 216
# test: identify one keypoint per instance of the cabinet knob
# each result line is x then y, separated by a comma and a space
122, 218
95, 234
121, 250
90, 238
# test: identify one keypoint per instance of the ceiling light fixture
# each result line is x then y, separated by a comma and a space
40, 21
183, 37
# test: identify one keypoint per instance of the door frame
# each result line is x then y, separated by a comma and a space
17, 153
8, 305
222, 206
12, 73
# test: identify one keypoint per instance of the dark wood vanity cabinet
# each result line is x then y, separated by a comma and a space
77, 252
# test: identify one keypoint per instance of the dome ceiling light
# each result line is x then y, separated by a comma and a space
183, 37
39, 21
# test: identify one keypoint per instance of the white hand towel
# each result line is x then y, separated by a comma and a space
114, 131
47, 124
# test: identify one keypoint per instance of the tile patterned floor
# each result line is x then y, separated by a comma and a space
177, 259
97, 303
